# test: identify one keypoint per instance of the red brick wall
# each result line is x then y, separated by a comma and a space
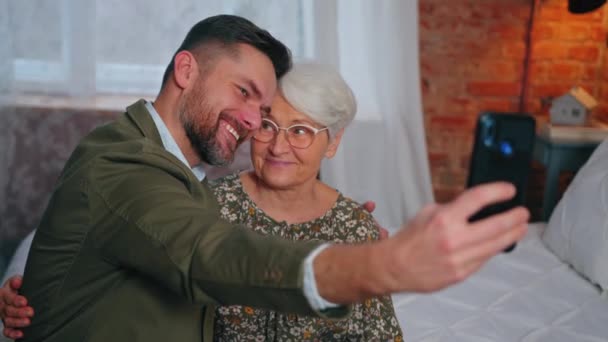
472, 56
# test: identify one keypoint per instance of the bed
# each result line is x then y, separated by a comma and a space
526, 295
552, 287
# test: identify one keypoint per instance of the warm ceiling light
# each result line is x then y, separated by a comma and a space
584, 6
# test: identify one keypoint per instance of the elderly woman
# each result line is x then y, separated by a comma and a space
283, 196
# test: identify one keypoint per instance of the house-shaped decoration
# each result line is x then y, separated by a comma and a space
572, 108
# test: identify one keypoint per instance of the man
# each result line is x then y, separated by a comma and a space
131, 244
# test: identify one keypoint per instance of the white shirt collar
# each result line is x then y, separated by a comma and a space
169, 143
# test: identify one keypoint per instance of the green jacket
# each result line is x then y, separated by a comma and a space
131, 247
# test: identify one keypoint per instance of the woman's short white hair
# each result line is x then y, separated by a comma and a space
320, 92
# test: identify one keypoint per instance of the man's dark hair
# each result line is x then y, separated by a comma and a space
227, 30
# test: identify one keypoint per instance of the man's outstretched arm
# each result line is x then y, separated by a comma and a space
438, 248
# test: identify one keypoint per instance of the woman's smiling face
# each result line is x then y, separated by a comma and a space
277, 163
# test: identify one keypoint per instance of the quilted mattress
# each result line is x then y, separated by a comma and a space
526, 295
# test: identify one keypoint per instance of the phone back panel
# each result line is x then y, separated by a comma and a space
502, 151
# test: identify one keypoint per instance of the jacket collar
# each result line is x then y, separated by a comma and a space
138, 113
142, 118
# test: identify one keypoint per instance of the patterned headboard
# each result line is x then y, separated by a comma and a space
35, 142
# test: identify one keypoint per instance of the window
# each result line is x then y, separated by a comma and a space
112, 46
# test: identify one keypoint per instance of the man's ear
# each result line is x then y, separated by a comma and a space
185, 69
333, 145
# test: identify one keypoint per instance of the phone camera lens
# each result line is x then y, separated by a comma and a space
506, 148
488, 131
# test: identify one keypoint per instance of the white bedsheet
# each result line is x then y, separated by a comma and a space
527, 295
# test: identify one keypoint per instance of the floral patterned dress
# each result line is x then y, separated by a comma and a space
346, 221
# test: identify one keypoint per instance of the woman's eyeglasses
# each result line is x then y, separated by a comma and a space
298, 136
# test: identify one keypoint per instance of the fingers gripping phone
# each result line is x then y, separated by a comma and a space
502, 151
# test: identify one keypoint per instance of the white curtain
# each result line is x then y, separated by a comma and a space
85, 48
383, 155
6, 74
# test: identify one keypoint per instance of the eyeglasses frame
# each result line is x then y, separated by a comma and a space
278, 129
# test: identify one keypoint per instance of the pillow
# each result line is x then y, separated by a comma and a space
17, 264
578, 228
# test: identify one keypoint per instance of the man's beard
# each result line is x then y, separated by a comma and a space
203, 136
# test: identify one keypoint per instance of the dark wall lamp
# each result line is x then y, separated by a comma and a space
584, 6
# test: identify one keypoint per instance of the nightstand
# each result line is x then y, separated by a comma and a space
559, 155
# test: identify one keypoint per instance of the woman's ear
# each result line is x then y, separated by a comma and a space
185, 69
332, 148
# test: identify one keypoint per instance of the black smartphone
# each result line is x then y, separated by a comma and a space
502, 151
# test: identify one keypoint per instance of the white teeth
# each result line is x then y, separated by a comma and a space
233, 131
